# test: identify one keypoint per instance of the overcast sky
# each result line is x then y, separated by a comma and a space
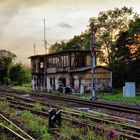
21, 21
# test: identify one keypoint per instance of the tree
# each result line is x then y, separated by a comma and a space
57, 47
126, 55
115, 21
6, 60
20, 74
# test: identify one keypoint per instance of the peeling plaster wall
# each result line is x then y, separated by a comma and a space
81, 80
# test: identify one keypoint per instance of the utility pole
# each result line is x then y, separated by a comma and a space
45, 42
45, 45
93, 31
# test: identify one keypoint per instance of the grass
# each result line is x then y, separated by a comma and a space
23, 88
84, 95
116, 96
83, 114
35, 125
119, 98
4, 105
38, 107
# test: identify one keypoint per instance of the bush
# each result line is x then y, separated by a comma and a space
7, 81
20, 74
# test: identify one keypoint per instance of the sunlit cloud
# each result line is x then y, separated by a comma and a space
21, 21
65, 25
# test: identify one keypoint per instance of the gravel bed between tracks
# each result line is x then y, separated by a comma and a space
75, 105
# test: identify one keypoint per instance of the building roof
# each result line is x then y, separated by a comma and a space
104, 67
80, 69
59, 53
36, 56
88, 68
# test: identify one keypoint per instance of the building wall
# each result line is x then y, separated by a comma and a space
72, 69
76, 80
88, 60
102, 79
53, 80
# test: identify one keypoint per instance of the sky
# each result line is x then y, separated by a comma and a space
21, 22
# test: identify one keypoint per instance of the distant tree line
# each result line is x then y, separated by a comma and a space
11, 73
118, 43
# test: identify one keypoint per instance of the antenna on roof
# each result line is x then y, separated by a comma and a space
45, 42
34, 49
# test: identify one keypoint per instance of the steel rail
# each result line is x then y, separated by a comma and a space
42, 95
7, 120
12, 132
72, 119
100, 104
78, 121
74, 112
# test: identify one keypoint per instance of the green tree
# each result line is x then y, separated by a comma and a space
57, 47
20, 74
126, 55
6, 60
114, 21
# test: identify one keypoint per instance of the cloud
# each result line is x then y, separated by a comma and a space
17, 4
10, 8
64, 25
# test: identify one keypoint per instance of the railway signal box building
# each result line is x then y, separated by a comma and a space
68, 69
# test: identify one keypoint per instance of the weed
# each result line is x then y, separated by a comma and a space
38, 107
118, 126
4, 105
73, 134
99, 115
4, 137
23, 88
28, 115
34, 126
90, 133
46, 136
83, 115
13, 127
112, 133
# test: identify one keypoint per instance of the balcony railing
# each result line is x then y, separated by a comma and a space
41, 70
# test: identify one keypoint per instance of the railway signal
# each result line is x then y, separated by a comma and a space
54, 118
93, 29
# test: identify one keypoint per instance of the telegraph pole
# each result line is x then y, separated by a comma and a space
92, 47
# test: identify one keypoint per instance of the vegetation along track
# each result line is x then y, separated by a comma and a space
100, 104
89, 103
130, 132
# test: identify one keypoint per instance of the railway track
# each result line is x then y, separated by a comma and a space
125, 132
120, 108
16, 132
99, 104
